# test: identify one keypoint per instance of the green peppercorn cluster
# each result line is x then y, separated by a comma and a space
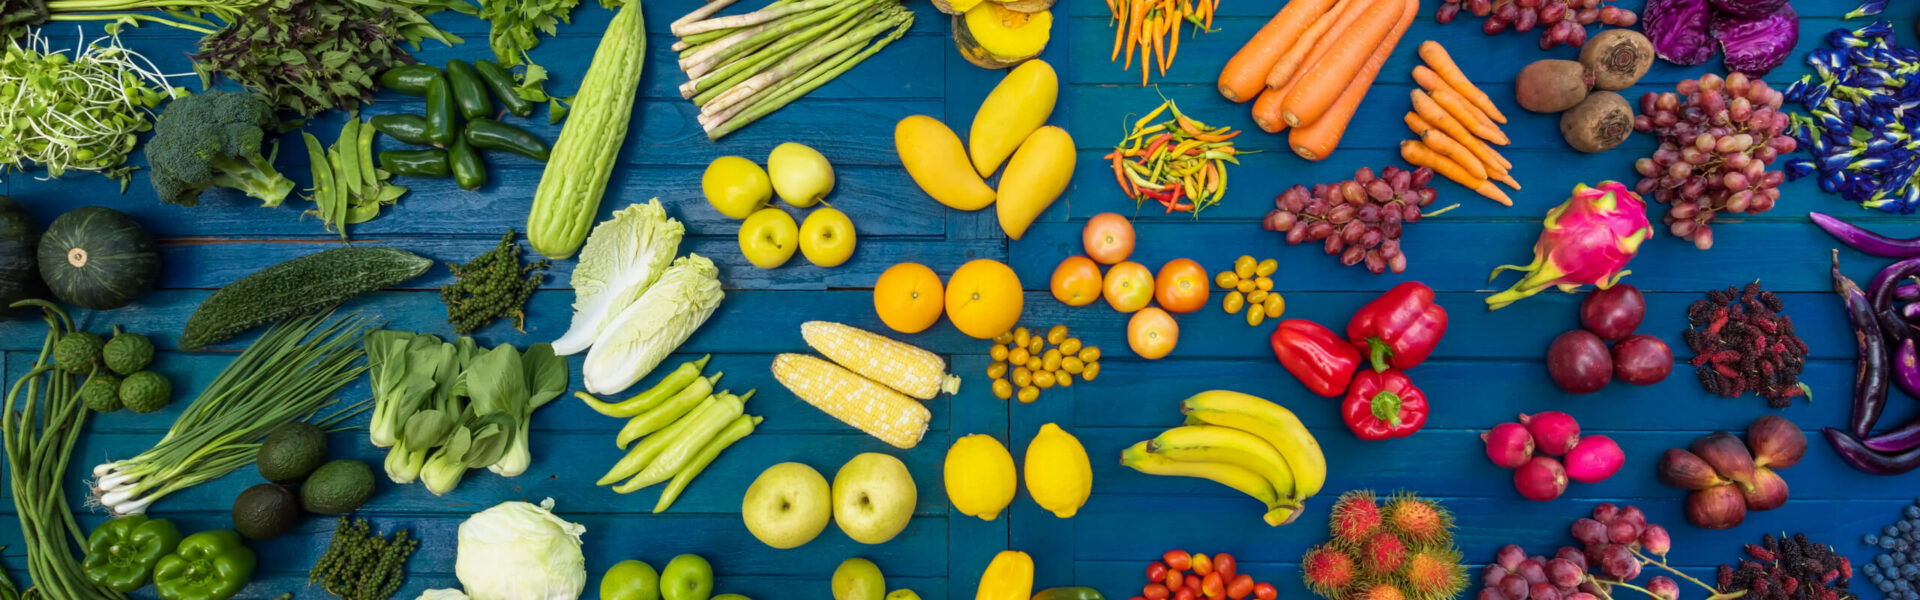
493, 285
362, 565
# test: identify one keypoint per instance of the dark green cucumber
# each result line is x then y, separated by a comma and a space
299, 287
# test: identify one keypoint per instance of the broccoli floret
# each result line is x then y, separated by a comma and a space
213, 139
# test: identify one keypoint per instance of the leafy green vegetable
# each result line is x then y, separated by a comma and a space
75, 110
632, 344
445, 408
215, 139
309, 56
517, 25
623, 256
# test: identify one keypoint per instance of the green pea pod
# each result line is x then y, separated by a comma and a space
210, 565
411, 129
121, 553
469, 170
678, 380
468, 90
411, 80
500, 81
1069, 593
441, 113
488, 134
415, 163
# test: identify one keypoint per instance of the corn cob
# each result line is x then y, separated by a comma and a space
868, 406
897, 364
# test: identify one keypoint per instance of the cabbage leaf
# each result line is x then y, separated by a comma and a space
633, 343
622, 257
1756, 46
1678, 30
520, 551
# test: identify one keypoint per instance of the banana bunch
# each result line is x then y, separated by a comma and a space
1243, 442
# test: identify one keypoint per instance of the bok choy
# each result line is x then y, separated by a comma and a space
446, 407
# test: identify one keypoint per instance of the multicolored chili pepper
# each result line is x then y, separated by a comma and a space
1383, 405
1174, 160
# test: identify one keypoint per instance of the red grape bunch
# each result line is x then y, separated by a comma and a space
1561, 21
1717, 136
1358, 219
1618, 542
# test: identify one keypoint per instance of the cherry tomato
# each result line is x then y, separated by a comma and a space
1076, 282
1108, 238
1183, 594
1201, 564
1241, 587
1138, 598
1173, 580
1226, 566
1265, 591
1212, 586
1177, 560
1192, 583
1155, 591
1128, 287
1152, 334
1181, 286
1156, 571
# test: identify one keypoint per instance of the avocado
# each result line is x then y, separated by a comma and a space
292, 452
265, 511
337, 487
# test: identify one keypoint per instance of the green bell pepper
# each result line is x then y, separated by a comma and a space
210, 565
121, 553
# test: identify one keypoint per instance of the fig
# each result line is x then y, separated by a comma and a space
1686, 470
1728, 455
1776, 442
1541, 479
1613, 313
1554, 432
1769, 490
1717, 507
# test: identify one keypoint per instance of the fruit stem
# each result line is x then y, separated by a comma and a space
1662, 563
1649, 593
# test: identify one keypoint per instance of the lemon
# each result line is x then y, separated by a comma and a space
979, 475
1059, 477
735, 186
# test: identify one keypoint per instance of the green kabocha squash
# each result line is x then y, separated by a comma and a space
296, 288
99, 258
19, 264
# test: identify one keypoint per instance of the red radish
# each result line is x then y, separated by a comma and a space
1541, 479
1594, 459
1509, 445
1554, 432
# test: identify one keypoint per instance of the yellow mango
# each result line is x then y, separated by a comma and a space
1015, 108
1035, 177
933, 156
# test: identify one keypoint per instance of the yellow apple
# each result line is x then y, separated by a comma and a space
735, 186
800, 174
827, 237
768, 238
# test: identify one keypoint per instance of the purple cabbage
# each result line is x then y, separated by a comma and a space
1756, 46
1747, 9
1679, 30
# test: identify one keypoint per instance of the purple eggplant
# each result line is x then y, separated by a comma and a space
1870, 364
1906, 292
1904, 438
1866, 241
1911, 313
1867, 460
1906, 368
1880, 294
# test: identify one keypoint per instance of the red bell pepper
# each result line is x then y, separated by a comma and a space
1399, 329
1315, 355
1383, 405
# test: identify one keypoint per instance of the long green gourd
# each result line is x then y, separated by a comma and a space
569, 194
298, 287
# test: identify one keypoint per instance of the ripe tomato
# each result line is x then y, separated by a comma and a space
1152, 334
1265, 591
1076, 282
1177, 560
1129, 286
1241, 587
1226, 566
1108, 237
908, 297
1181, 286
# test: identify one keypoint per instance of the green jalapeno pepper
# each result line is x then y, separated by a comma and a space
488, 134
441, 113
501, 81
468, 91
411, 129
469, 170
411, 80
415, 163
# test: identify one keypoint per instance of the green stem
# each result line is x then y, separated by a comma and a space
719, 81
815, 78
1662, 563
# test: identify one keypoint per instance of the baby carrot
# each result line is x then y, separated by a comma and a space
1436, 56
1420, 155
1470, 116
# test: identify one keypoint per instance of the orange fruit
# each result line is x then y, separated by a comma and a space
1129, 286
908, 297
984, 298
1151, 333
1076, 282
1181, 286
1108, 238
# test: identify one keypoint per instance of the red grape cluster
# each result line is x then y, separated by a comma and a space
1717, 136
1564, 21
1618, 542
1359, 219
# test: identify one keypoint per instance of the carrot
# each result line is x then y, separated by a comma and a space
1326, 78
1437, 57
1328, 27
1318, 140
1427, 79
1246, 73
1422, 156
1444, 144
1266, 110
1431, 111
1467, 114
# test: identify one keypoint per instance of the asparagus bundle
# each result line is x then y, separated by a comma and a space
743, 67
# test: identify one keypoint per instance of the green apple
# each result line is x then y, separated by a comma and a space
769, 237
826, 238
873, 497
787, 505
800, 174
859, 579
687, 577
732, 597
902, 595
630, 580
735, 186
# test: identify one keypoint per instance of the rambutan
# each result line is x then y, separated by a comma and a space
1328, 571
1419, 521
1355, 517
1434, 574
1382, 554
1380, 590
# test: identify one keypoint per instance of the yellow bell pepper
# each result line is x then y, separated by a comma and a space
1008, 577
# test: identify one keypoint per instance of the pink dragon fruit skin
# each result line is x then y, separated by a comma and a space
1587, 239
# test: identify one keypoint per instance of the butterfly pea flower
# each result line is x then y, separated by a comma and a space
1867, 9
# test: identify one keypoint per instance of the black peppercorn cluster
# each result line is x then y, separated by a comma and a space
362, 565
1786, 568
1742, 343
493, 285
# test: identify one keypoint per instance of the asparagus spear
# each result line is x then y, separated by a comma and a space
818, 76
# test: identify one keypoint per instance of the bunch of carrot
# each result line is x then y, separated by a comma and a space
1154, 27
1309, 67
1180, 163
1455, 121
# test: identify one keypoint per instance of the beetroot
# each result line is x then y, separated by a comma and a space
1554, 432
1594, 459
1509, 445
1541, 479
1613, 313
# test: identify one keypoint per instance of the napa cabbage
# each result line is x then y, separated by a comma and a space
623, 256
634, 342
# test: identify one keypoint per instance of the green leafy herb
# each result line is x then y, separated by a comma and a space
78, 109
309, 56
518, 24
493, 285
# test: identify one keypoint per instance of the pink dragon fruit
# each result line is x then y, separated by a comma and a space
1587, 239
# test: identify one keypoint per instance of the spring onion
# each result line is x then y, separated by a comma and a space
76, 110
743, 67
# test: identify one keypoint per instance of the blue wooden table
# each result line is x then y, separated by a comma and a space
1486, 370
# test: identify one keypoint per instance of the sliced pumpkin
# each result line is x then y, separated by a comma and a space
956, 7
993, 36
